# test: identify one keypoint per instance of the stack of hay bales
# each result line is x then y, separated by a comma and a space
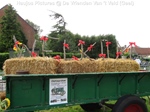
35, 65
99, 65
43, 65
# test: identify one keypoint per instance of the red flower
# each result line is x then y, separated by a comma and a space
18, 43
15, 47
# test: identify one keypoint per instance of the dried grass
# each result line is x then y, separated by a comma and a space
45, 65
36, 65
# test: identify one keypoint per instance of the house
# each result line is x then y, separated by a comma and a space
28, 30
143, 52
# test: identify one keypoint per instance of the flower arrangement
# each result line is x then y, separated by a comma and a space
126, 52
18, 48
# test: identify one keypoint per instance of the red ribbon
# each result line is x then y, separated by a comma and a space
102, 55
90, 48
118, 54
44, 38
81, 42
57, 57
108, 43
66, 45
75, 58
132, 43
33, 54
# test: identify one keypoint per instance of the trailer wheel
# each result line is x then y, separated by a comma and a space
130, 103
91, 107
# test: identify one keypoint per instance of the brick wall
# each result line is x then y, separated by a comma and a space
28, 31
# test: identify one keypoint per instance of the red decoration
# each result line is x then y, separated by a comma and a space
90, 48
66, 45
132, 43
118, 54
44, 38
57, 57
18, 43
81, 42
75, 58
108, 43
33, 54
102, 55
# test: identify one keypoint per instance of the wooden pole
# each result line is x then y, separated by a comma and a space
131, 52
101, 46
107, 51
64, 49
43, 44
33, 47
82, 56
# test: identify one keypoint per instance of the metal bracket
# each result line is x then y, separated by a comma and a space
122, 78
75, 79
141, 78
100, 78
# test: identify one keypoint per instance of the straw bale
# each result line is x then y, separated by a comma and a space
82, 66
44, 65
100, 65
35, 65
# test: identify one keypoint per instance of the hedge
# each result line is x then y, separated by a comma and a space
3, 57
68, 55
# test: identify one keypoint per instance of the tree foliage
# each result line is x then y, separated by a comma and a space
10, 27
73, 40
59, 27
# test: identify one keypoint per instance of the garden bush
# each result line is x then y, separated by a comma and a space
3, 57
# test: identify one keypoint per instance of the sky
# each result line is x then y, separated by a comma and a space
128, 20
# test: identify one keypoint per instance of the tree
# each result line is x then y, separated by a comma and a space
59, 27
10, 27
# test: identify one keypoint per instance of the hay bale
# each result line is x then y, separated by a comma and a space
35, 65
82, 66
99, 65
44, 65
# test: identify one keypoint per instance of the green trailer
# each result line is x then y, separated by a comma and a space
31, 92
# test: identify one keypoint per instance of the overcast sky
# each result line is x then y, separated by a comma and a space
128, 20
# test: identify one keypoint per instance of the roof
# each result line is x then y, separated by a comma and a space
2, 13
142, 51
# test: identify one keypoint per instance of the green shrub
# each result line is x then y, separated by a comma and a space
3, 57
68, 55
